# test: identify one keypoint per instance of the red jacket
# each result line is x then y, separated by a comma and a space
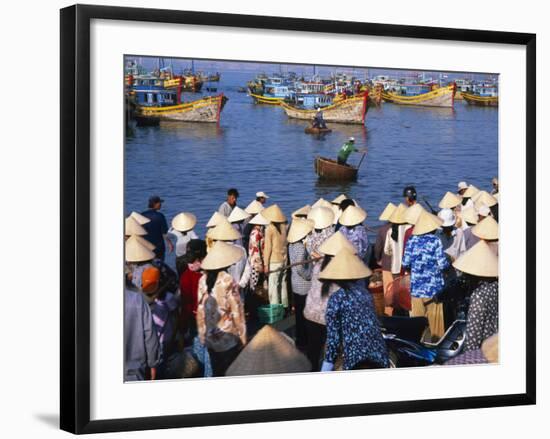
189, 286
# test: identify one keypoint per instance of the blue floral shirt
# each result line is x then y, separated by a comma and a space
353, 329
358, 237
425, 259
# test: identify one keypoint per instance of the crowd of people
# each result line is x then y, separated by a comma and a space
200, 317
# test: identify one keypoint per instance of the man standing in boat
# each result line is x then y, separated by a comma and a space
318, 121
346, 150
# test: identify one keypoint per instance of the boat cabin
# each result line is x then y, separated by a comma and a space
310, 101
156, 98
485, 90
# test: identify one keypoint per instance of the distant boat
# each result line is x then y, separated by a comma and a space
352, 110
483, 95
329, 169
482, 101
266, 100
207, 110
440, 97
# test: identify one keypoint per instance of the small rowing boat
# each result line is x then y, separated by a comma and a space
318, 131
351, 110
440, 97
328, 169
207, 109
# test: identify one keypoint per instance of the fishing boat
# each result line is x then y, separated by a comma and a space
351, 110
328, 169
439, 97
265, 100
153, 106
483, 96
317, 131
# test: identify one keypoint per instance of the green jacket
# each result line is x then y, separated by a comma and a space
346, 150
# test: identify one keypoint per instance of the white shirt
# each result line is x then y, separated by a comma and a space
182, 240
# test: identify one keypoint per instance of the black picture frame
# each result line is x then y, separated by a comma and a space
75, 217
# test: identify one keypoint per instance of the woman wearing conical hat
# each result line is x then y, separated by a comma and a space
318, 295
480, 264
225, 232
220, 312
352, 325
382, 259
300, 274
488, 231
275, 251
395, 238
237, 219
467, 196
182, 231
256, 248
351, 221
426, 262
451, 236
139, 257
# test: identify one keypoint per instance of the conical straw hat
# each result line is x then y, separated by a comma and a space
469, 215
449, 201
386, 213
183, 222
480, 260
484, 197
215, 219
335, 243
254, 207
299, 228
426, 223
323, 217
274, 214
398, 215
497, 197
269, 352
470, 192
487, 228
321, 202
224, 231
222, 255
237, 214
345, 265
132, 227
339, 199
302, 211
135, 251
140, 218
352, 216
259, 220
146, 243
413, 212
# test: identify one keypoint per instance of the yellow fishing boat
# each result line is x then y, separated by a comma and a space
207, 109
482, 101
440, 97
265, 100
351, 110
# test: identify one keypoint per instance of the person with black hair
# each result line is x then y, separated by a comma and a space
157, 227
229, 204
409, 193
189, 285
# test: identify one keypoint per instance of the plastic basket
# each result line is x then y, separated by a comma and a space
271, 313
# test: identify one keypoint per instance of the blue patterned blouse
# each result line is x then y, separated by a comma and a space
353, 329
358, 237
425, 259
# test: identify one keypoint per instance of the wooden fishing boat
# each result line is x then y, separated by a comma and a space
328, 169
440, 97
351, 110
482, 101
266, 100
207, 109
317, 131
